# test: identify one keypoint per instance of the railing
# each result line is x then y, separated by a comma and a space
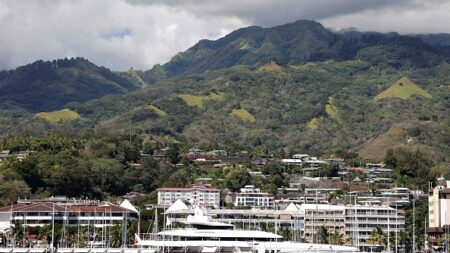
76, 250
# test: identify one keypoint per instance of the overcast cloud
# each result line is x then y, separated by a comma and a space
140, 33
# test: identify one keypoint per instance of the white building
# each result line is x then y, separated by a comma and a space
304, 221
438, 210
354, 222
292, 162
251, 196
197, 196
331, 217
361, 220
70, 213
300, 156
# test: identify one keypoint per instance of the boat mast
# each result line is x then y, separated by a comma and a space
356, 224
78, 229
139, 222
314, 216
156, 221
124, 230
53, 228
396, 228
389, 231
24, 230
414, 223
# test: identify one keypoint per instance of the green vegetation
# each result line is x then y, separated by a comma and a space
404, 89
331, 109
61, 165
271, 66
50, 85
58, 116
134, 77
197, 100
157, 110
327, 83
244, 115
301, 42
314, 123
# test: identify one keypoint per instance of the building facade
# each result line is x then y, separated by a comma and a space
438, 211
68, 213
362, 220
354, 223
204, 197
316, 217
251, 196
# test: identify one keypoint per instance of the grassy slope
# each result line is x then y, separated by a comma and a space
331, 109
57, 116
403, 89
271, 66
198, 100
157, 110
244, 115
314, 123
396, 137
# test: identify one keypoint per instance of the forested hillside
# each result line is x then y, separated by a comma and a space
300, 42
49, 85
294, 86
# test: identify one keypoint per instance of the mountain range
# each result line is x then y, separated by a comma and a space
298, 87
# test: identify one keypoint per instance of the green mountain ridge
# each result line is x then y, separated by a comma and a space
299, 42
283, 106
49, 85
297, 86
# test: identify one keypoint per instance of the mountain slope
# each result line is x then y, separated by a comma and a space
300, 42
404, 89
47, 86
294, 87
309, 107
288, 44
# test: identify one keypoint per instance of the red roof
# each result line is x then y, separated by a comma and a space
50, 207
174, 189
185, 189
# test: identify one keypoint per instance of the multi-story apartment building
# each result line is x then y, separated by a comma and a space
69, 213
304, 221
331, 217
251, 196
199, 196
361, 220
438, 210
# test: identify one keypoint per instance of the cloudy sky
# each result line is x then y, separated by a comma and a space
140, 33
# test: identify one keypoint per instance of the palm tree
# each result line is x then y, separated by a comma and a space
373, 238
337, 238
324, 235
381, 237
286, 233
17, 231
116, 236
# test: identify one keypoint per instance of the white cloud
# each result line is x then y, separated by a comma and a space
140, 33
34, 30
424, 17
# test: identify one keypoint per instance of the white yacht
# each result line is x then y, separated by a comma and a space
203, 235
